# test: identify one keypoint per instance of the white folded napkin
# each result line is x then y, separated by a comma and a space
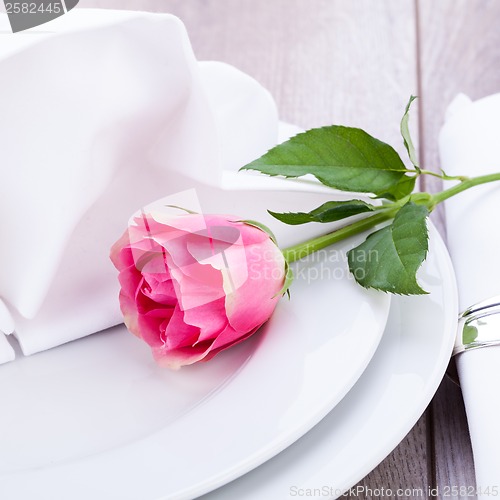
6, 328
469, 146
6, 351
101, 115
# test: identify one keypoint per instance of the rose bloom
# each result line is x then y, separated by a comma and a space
193, 285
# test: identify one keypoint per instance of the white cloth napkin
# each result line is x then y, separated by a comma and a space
101, 115
469, 146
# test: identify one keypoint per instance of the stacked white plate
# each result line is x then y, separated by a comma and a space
96, 418
97, 413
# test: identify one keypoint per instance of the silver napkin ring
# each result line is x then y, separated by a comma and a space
479, 326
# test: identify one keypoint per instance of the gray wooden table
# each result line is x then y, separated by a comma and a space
356, 63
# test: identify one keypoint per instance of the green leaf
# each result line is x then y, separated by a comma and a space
405, 132
469, 334
344, 158
403, 188
328, 212
389, 258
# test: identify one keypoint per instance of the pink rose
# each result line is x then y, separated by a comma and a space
193, 285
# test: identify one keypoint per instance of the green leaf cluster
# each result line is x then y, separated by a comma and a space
330, 211
340, 157
389, 258
351, 160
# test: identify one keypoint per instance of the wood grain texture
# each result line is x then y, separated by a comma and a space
459, 43
453, 462
324, 61
399, 470
459, 50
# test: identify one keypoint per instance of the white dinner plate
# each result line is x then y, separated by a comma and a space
97, 419
380, 409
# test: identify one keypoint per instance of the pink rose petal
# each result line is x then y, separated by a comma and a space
194, 285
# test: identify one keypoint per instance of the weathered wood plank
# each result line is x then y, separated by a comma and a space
459, 52
324, 61
459, 44
454, 464
399, 470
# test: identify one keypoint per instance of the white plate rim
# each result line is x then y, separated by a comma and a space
273, 479
46, 478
